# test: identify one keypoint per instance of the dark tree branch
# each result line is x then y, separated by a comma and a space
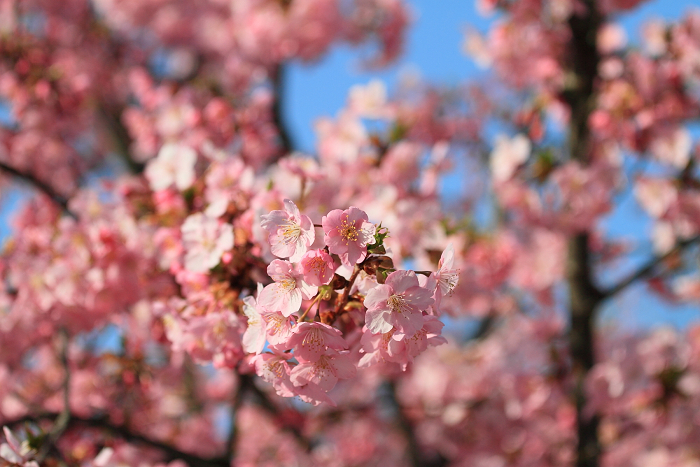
404, 424
486, 325
416, 457
584, 299
649, 267
233, 415
61, 423
45, 188
277, 79
584, 296
263, 400
169, 452
120, 138
342, 300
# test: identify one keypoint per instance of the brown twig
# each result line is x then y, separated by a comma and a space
277, 80
45, 188
170, 453
263, 400
342, 300
648, 268
584, 296
61, 423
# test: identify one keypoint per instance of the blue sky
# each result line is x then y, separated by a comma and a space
434, 51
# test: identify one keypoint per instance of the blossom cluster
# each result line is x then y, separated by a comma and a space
223, 247
392, 314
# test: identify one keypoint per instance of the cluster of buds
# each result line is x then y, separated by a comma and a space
338, 307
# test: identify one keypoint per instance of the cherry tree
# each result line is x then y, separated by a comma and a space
218, 298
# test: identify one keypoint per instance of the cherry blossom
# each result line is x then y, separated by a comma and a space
254, 336
291, 233
288, 290
369, 101
397, 303
446, 277
347, 234
325, 372
16, 452
174, 165
205, 241
311, 341
273, 368
508, 154
164, 287
318, 267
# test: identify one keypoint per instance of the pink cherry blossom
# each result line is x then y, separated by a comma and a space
347, 234
274, 368
286, 293
325, 372
254, 337
508, 154
16, 452
369, 101
674, 149
405, 347
655, 195
375, 347
397, 303
125, 300
312, 340
174, 165
291, 233
278, 327
446, 276
205, 240
264, 326
611, 38
318, 267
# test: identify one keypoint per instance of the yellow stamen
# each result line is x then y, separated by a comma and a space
348, 232
398, 303
291, 232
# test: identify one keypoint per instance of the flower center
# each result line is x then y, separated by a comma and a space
348, 232
291, 232
317, 264
398, 303
275, 324
448, 282
276, 368
313, 340
288, 284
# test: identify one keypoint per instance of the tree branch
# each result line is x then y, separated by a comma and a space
486, 325
416, 457
233, 415
342, 300
277, 79
45, 188
266, 404
170, 453
61, 423
584, 296
121, 140
649, 267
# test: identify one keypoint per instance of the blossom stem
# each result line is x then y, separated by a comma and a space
342, 299
302, 193
64, 417
315, 301
59, 200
